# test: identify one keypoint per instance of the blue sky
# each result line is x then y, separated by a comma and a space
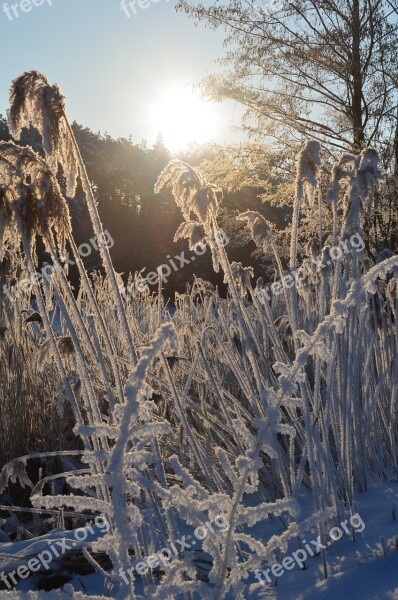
111, 68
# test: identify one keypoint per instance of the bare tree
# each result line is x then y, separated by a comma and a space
325, 69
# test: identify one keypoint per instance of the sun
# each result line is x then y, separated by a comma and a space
182, 117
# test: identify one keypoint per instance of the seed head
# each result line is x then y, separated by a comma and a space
191, 192
31, 201
241, 275
259, 228
34, 102
308, 165
191, 230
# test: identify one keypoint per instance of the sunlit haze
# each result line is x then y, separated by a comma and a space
181, 116
121, 75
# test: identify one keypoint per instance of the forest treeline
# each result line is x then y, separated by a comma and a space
143, 223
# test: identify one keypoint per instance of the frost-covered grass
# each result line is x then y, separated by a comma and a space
241, 406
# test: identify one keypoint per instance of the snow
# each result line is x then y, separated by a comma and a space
358, 570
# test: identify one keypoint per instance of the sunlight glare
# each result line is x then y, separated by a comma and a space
182, 117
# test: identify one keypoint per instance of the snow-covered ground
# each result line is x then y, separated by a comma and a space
357, 570
366, 568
